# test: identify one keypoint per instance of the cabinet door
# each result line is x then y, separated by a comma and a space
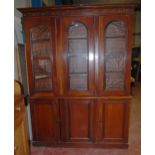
78, 56
114, 55
77, 120
45, 121
113, 119
40, 50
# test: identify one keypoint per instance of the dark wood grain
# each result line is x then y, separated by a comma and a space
45, 122
103, 21
28, 26
77, 120
88, 23
85, 101
112, 118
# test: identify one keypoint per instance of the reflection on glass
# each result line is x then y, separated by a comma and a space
41, 52
77, 56
115, 55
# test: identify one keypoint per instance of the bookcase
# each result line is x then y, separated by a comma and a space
79, 64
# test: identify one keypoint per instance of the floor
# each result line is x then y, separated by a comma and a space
134, 136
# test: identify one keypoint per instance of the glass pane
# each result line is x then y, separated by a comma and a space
39, 32
78, 64
77, 30
77, 45
115, 55
77, 56
78, 81
41, 54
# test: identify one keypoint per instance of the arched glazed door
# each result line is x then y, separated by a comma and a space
78, 56
41, 57
114, 56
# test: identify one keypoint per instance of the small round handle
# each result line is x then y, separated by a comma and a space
15, 147
18, 109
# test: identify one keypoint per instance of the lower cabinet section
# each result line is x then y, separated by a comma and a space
80, 122
113, 118
45, 121
77, 118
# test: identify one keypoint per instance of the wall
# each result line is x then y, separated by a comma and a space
18, 39
18, 27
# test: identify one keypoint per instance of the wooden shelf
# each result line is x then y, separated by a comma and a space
114, 37
38, 77
78, 74
114, 71
78, 37
41, 57
72, 54
40, 40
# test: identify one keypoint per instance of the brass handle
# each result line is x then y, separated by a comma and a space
18, 109
15, 148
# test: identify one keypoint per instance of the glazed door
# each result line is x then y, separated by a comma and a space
77, 121
78, 56
40, 48
114, 55
45, 121
112, 121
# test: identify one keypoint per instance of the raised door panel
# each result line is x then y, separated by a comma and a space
78, 56
45, 121
77, 120
113, 121
41, 56
114, 55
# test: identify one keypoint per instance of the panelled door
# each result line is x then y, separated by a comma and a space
77, 120
114, 55
40, 46
112, 119
78, 56
45, 120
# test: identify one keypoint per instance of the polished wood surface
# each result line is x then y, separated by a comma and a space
80, 79
45, 122
88, 83
77, 120
21, 145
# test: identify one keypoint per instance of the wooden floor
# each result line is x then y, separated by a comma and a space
134, 136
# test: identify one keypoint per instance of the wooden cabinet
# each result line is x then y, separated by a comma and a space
114, 55
21, 145
78, 55
78, 60
45, 114
40, 38
113, 120
77, 120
